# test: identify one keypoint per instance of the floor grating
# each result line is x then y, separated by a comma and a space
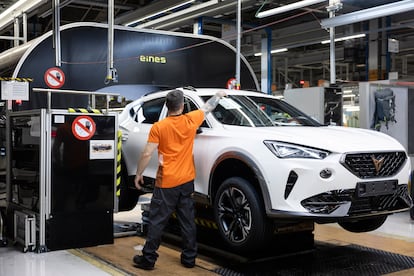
326, 259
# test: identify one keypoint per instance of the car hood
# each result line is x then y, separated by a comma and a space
332, 138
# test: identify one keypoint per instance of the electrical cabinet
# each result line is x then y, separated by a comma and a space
62, 171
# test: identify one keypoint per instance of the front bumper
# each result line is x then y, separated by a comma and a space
338, 205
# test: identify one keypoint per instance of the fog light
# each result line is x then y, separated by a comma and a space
325, 173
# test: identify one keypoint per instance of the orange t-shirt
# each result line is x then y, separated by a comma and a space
175, 138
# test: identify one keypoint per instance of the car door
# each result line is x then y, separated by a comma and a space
136, 130
200, 150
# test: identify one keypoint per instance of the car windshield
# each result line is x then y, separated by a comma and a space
241, 111
282, 113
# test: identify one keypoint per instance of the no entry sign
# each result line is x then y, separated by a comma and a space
54, 77
83, 127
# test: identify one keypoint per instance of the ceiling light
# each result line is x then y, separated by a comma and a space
368, 14
159, 12
195, 11
15, 10
289, 7
273, 52
343, 38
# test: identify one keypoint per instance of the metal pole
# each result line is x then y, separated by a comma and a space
24, 27
238, 44
111, 72
332, 50
56, 32
334, 5
16, 31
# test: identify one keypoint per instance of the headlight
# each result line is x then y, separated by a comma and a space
284, 150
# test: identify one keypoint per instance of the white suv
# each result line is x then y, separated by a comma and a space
262, 162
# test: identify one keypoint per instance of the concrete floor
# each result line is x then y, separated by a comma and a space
398, 227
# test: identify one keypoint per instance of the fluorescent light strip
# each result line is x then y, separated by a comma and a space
343, 38
289, 7
185, 14
159, 12
367, 14
17, 9
273, 52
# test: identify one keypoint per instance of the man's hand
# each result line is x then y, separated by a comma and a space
213, 101
221, 94
139, 179
143, 163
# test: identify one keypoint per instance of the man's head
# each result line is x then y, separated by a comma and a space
175, 100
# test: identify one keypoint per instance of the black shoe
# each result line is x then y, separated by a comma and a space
142, 263
187, 265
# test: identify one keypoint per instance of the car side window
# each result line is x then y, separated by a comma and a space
189, 105
149, 112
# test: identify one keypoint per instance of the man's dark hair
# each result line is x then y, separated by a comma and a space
174, 100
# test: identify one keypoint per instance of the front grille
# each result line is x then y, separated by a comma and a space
399, 200
326, 203
372, 165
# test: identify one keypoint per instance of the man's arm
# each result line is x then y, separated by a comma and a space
143, 163
213, 102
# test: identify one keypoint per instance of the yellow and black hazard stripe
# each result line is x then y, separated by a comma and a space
202, 222
206, 223
84, 110
118, 164
16, 79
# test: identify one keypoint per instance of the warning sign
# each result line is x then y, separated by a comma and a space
83, 127
54, 77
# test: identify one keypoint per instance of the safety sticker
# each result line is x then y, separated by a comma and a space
54, 77
83, 127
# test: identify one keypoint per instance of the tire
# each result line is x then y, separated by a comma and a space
412, 213
240, 216
363, 225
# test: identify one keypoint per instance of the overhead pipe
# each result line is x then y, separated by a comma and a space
111, 71
56, 33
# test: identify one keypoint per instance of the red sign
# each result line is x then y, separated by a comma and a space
83, 127
54, 77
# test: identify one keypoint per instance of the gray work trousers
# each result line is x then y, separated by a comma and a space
163, 203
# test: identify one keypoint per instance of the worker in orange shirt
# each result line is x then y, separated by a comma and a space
174, 184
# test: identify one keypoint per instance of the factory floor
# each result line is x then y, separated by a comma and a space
394, 238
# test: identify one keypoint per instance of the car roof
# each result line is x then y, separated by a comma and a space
206, 92
211, 91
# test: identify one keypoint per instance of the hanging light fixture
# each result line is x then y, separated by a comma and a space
15, 10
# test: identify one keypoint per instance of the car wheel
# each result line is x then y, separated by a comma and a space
363, 225
240, 215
